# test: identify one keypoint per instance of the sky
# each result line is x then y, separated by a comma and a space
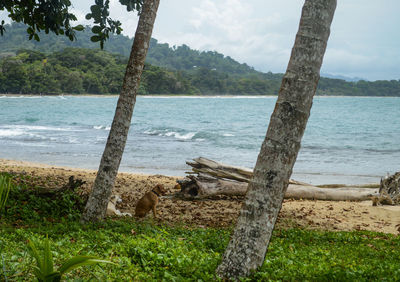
364, 41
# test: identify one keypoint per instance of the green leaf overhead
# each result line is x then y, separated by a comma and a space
132, 4
55, 16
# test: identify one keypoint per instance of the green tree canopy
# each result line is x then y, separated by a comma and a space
55, 16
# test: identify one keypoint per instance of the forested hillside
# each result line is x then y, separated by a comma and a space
53, 66
175, 58
92, 71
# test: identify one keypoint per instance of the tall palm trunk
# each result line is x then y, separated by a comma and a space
97, 204
248, 246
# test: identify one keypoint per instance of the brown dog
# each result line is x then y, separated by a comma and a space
149, 201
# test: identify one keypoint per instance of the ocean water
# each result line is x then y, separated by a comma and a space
348, 139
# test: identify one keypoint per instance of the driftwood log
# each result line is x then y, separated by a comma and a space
215, 178
219, 170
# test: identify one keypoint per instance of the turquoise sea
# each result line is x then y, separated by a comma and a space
347, 140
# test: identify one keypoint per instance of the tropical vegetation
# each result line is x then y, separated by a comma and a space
55, 65
150, 251
44, 269
5, 187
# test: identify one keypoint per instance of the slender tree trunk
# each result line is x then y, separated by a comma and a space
97, 204
248, 246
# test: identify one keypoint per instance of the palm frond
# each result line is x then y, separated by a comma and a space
78, 261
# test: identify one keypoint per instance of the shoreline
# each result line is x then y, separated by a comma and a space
183, 96
29, 164
219, 212
152, 172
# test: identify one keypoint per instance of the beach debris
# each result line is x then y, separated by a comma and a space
203, 165
389, 191
216, 179
53, 192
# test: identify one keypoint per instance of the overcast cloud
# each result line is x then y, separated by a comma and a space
364, 42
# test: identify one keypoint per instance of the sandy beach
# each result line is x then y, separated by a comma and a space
223, 211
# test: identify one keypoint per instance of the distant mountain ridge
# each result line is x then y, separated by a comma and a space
342, 77
162, 55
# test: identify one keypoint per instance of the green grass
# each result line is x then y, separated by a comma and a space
144, 251
332, 256
141, 251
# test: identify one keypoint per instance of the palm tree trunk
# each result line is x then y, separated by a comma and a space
248, 246
97, 204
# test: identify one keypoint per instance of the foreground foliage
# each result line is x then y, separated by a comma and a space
144, 251
56, 16
44, 269
5, 187
154, 251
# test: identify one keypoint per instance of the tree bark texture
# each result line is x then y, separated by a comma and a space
97, 204
248, 245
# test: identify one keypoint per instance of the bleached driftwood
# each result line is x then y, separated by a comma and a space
215, 178
220, 170
203, 186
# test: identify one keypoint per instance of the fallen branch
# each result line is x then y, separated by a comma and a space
219, 170
203, 186
215, 179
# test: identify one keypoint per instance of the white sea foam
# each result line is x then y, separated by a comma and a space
100, 139
101, 127
30, 144
166, 133
73, 140
151, 132
39, 127
20, 97
187, 136
228, 135
36, 137
179, 136
29, 131
10, 132
171, 133
26, 135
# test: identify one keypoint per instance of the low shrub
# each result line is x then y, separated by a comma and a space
27, 204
